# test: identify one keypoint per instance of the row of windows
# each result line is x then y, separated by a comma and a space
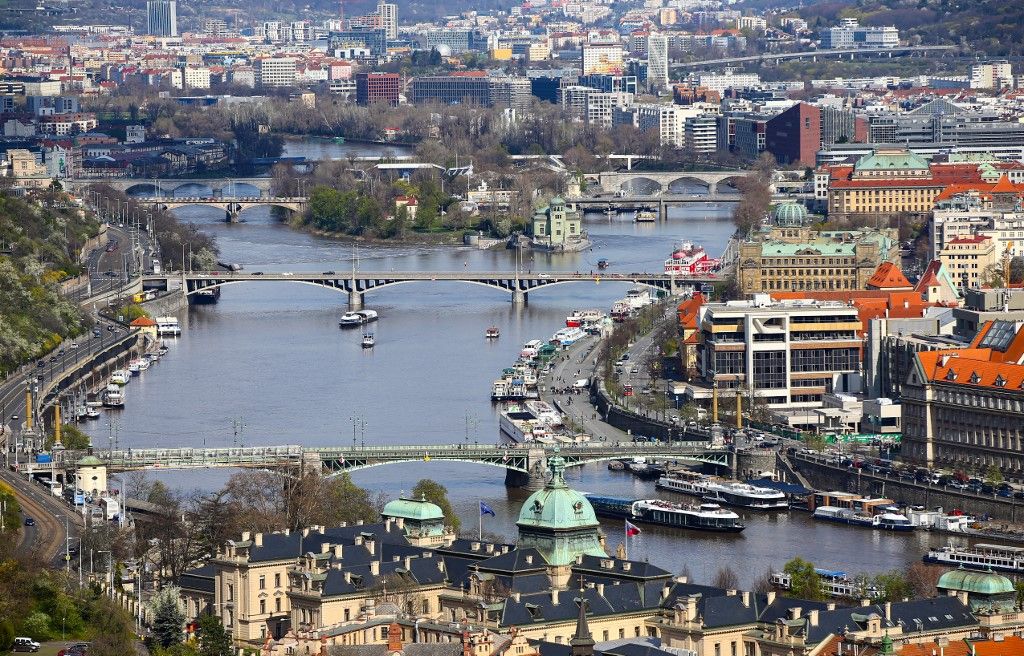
263, 581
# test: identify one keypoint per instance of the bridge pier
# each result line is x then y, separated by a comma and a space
538, 476
355, 299
662, 210
519, 297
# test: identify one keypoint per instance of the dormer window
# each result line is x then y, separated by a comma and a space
1000, 381
951, 375
975, 378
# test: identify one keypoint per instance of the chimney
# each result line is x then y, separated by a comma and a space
830, 605
813, 617
794, 612
504, 548
691, 608
258, 539
348, 576
730, 592
246, 536
962, 596
888, 610
529, 559
745, 596
408, 562
771, 597
371, 546
600, 589
400, 522
359, 522
338, 550
287, 532
305, 532
474, 546
865, 602
358, 540
516, 596
682, 579
387, 524
489, 548
554, 597
375, 567
440, 565
664, 591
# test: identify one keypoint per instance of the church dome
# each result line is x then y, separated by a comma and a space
790, 215
557, 506
982, 583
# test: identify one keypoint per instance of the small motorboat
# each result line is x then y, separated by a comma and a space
602, 263
91, 413
492, 333
368, 340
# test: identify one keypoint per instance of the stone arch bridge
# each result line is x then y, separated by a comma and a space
233, 206
617, 181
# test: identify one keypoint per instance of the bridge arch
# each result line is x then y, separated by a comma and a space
366, 465
641, 185
226, 282
689, 180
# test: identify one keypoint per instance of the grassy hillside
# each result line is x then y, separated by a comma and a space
39, 245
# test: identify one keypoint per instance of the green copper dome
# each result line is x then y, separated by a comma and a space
982, 583
790, 215
414, 509
557, 506
90, 461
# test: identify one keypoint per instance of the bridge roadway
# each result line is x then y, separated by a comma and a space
525, 466
355, 284
814, 54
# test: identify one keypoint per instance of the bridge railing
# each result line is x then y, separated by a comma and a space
236, 455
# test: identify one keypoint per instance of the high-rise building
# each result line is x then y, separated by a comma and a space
162, 17
657, 62
389, 18
602, 58
992, 75
274, 71
377, 87
794, 136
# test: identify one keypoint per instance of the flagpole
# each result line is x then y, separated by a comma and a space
480, 512
625, 540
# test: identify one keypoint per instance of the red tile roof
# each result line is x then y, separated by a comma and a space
888, 276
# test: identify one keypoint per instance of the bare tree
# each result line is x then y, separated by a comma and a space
727, 578
923, 579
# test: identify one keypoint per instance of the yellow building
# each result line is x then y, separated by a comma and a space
969, 259
25, 170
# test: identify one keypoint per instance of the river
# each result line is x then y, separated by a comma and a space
270, 357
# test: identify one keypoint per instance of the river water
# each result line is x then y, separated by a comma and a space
270, 358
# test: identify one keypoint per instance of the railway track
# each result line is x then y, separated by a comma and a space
47, 540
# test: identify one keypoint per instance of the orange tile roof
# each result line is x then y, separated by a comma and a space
1004, 186
954, 648
889, 276
143, 322
1009, 646
972, 367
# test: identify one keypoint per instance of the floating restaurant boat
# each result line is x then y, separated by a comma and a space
833, 583
690, 260
887, 521
705, 517
113, 397
982, 557
730, 493
645, 216
168, 326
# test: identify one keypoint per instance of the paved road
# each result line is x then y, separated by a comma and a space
47, 539
572, 365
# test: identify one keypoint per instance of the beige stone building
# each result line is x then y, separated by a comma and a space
970, 258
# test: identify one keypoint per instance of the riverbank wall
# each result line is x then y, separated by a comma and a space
825, 476
168, 303
93, 369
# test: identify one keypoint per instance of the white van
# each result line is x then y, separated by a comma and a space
25, 644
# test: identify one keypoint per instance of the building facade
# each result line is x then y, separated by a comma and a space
970, 260
162, 17
377, 87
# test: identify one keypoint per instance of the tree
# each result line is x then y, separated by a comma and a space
993, 474
168, 619
1018, 587
727, 578
437, 494
71, 437
805, 583
763, 584
923, 579
1017, 270
6, 635
37, 626
213, 639
893, 586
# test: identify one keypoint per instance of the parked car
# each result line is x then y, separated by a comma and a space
25, 644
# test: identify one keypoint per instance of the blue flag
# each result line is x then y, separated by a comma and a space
486, 510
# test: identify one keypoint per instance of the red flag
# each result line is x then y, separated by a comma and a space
631, 530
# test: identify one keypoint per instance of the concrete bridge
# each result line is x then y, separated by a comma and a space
232, 205
167, 186
619, 181
356, 284
814, 55
525, 466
